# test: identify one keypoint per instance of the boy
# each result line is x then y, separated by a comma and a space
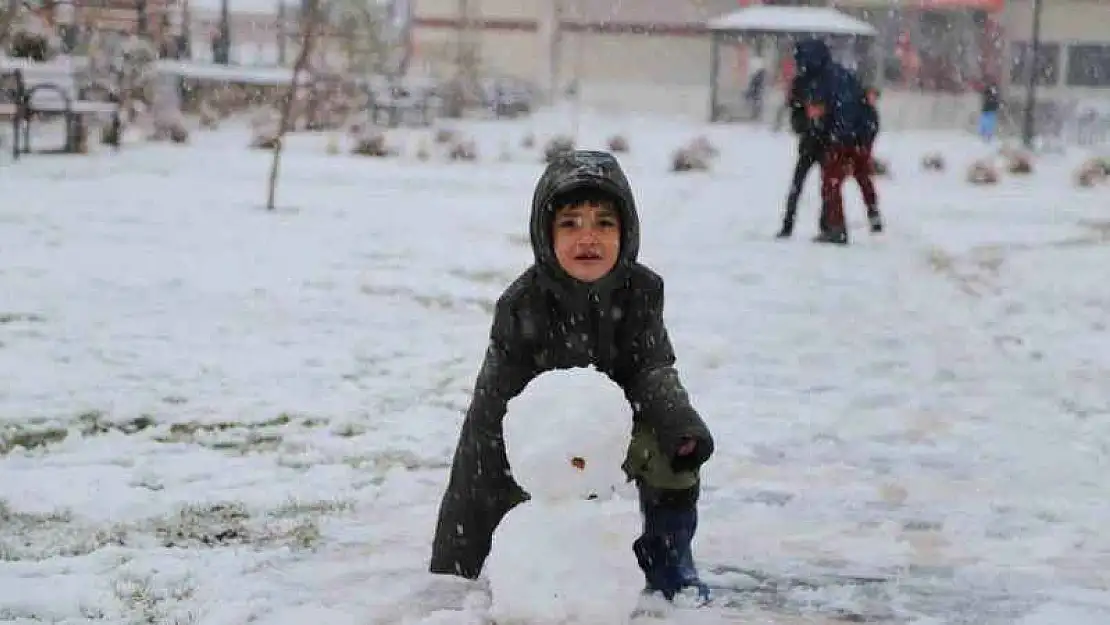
865, 178
988, 111
585, 301
811, 147
836, 100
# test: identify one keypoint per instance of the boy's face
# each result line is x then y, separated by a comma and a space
587, 239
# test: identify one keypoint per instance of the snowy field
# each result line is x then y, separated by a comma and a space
215, 415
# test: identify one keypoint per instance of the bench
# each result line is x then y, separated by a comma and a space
397, 104
40, 91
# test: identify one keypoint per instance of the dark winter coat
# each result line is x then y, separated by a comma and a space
992, 101
547, 320
846, 120
871, 117
811, 137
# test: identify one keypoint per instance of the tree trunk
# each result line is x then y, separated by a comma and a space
7, 19
310, 22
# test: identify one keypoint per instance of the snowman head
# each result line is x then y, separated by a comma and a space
566, 435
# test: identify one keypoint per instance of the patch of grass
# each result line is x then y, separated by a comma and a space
488, 276
40, 433
30, 437
436, 302
37, 536
145, 603
209, 526
14, 317
30, 537
294, 525
238, 437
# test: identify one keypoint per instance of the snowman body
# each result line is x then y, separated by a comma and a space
565, 556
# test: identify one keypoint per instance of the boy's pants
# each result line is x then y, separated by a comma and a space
988, 123
808, 156
664, 549
839, 162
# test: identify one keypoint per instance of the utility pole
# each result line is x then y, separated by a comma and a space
186, 46
1028, 130
282, 34
223, 50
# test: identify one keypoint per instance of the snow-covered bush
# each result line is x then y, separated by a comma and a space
557, 145
618, 144
372, 143
1019, 163
933, 161
982, 172
463, 150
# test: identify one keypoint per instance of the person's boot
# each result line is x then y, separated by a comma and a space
837, 236
876, 221
787, 230
664, 550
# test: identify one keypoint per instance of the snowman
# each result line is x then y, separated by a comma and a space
565, 556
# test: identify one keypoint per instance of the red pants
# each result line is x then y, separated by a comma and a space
839, 162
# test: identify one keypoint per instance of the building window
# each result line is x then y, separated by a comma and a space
1047, 64
1088, 65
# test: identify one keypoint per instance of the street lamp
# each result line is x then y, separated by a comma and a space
1028, 130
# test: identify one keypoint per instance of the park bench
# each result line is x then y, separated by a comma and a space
395, 104
34, 91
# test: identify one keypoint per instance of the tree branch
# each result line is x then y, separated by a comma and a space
310, 24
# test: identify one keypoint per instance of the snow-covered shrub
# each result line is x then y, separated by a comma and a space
689, 159
704, 146
557, 145
697, 155
933, 161
444, 136
209, 115
1019, 163
1093, 171
463, 150
423, 150
372, 143
982, 172
618, 144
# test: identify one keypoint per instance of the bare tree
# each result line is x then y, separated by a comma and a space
9, 13
360, 28
312, 20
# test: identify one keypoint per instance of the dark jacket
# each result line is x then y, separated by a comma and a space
846, 120
871, 117
992, 100
547, 320
811, 139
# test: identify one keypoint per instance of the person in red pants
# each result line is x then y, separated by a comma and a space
838, 103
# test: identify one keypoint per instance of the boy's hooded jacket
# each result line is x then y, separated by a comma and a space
547, 320
848, 120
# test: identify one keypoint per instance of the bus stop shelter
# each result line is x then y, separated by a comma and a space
764, 27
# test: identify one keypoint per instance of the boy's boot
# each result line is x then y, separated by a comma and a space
875, 219
668, 502
787, 228
837, 236
664, 549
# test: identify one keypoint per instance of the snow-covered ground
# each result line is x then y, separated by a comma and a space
215, 415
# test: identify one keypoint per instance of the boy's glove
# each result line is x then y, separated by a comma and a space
646, 462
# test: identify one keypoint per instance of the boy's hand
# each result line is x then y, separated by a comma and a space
687, 447
815, 110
